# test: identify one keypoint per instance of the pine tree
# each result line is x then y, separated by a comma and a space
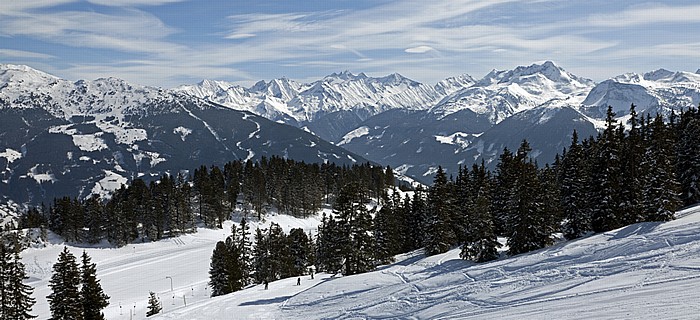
154, 306
94, 300
633, 147
688, 159
440, 235
65, 302
354, 226
218, 274
480, 243
606, 178
660, 189
300, 250
528, 224
5, 274
245, 248
20, 293
573, 191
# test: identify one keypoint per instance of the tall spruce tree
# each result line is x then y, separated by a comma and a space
94, 300
20, 294
65, 301
480, 242
440, 235
528, 223
660, 189
15, 296
606, 178
574, 191
688, 151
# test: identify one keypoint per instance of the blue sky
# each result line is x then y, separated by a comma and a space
170, 42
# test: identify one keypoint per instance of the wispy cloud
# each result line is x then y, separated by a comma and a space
427, 40
647, 14
10, 53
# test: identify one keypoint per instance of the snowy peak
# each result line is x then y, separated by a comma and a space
501, 94
296, 103
656, 91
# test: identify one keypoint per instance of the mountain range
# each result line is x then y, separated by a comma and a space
63, 138
416, 127
60, 137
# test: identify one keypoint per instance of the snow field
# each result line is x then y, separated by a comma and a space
642, 271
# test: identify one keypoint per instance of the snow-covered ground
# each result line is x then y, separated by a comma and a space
642, 271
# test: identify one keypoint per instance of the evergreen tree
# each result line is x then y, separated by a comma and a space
94, 300
528, 224
218, 274
633, 147
354, 225
94, 220
245, 248
480, 243
15, 296
688, 160
574, 191
154, 306
20, 294
440, 235
300, 250
661, 190
606, 179
65, 302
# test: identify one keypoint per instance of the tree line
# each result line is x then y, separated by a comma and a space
170, 206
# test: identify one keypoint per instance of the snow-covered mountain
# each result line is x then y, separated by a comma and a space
342, 94
656, 91
78, 138
500, 94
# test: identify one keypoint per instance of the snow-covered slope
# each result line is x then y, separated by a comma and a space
62, 138
501, 94
642, 271
656, 91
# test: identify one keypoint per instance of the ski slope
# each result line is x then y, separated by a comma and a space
642, 271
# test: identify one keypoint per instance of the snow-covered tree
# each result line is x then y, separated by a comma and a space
154, 306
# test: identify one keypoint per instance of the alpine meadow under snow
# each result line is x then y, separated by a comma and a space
641, 271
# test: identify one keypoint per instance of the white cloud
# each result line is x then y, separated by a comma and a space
24, 54
133, 3
419, 49
647, 14
240, 36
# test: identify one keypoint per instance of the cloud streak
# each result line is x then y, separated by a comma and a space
427, 40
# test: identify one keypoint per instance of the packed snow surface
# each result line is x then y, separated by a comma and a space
646, 270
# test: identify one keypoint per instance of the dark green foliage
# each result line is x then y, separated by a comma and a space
660, 190
574, 191
440, 235
94, 300
529, 226
226, 272
687, 131
479, 242
15, 296
65, 301
607, 174
154, 306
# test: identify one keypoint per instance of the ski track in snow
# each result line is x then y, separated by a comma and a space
642, 271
